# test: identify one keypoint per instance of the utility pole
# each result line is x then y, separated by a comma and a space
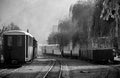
117, 20
117, 24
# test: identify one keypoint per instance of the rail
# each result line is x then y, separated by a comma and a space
51, 68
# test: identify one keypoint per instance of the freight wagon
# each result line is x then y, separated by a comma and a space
97, 49
52, 49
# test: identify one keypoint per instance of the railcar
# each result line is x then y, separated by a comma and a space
51, 49
99, 49
75, 52
66, 51
57, 51
18, 46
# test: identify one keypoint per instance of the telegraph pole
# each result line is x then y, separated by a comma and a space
117, 28
116, 34
117, 21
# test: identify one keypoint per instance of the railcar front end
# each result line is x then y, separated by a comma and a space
17, 46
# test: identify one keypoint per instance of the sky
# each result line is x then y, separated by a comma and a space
39, 16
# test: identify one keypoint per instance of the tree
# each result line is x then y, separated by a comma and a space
59, 38
65, 26
95, 18
82, 15
79, 38
64, 34
63, 40
52, 38
11, 26
105, 18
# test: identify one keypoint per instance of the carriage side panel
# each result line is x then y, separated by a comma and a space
29, 48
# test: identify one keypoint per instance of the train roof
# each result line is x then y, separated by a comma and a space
17, 32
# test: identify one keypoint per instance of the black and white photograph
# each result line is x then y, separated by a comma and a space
59, 38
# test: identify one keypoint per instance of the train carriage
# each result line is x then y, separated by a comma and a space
51, 49
17, 46
57, 51
75, 51
66, 51
100, 49
96, 49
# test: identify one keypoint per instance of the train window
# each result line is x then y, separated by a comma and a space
19, 40
9, 41
30, 41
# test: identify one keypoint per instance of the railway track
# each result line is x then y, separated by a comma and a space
54, 71
11, 72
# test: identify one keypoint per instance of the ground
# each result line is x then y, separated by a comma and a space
72, 68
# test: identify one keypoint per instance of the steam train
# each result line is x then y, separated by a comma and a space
18, 47
97, 49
